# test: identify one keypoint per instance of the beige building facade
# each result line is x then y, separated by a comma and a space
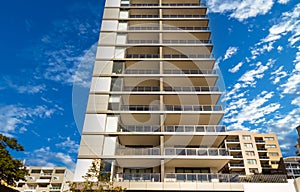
253, 153
153, 114
46, 179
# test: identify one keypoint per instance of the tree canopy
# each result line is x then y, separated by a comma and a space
11, 170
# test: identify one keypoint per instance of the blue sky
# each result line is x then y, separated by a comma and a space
48, 48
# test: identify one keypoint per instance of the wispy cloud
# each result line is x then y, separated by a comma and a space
68, 145
278, 75
230, 52
15, 118
236, 68
241, 10
46, 157
24, 89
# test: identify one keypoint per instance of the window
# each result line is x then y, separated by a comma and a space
273, 154
275, 162
269, 138
251, 161
271, 146
246, 137
250, 153
248, 145
36, 171
60, 171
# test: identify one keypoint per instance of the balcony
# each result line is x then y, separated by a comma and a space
186, 16
260, 141
174, 41
193, 89
137, 151
142, 41
232, 140
196, 151
234, 148
141, 89
140, 4
190, 71
236, 165
141, 56
179, 56
145, 71
262, 149
193, 108
54, 188
144, 177
184, 4
195, 128
144, 16
139, 128
201, 177
186, 28
238, 156
138, 28
139, 108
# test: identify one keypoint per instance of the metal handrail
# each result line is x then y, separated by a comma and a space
141, 71
183, 4
139, 108
139, 128
137, 151
195, 128
141, 89
197, 151
143, 16
193, 108
183, 71
143, 28
142, 55
185, 16
186, 28
175, 41
145, 177
196, 88
142, 41
178, 56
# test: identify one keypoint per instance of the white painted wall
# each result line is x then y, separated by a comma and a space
272, 187
105, 52
100, 84
113, 3
94, 123
82, 166
109, 145
112, 124
109, 25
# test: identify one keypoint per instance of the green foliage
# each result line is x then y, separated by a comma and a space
11, 170
96, 180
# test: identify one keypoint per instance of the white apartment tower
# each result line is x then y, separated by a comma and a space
152, 114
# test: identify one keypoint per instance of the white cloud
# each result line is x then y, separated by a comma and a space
28, 89
252, 112
241, 10
278, 75
288, 23
15, 118
69, 145
45, 157
283, 1
279, 48
236, 68
249, 78
68, 69
230, 52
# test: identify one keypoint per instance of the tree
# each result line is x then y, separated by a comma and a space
11, 170
96, 180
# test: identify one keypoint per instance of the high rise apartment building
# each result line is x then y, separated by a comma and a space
153, 114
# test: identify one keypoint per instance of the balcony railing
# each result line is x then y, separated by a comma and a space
196, 151
237, 156
261, 149
140, 108
143, 16
139, 128
179, 56
193, 108
184, 4
137, 151
143, 28
141, 89
192, 89
264, 157
142, 41
186, 28
190, 71
187, 41
145, 71
144, 177
201, 177
185, 16
195, 128
141, 4
235, 148
232, 140
142, 56
236, 165
259, 141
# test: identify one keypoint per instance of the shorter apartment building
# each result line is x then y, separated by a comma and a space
46, 179
252, 153
292, 166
